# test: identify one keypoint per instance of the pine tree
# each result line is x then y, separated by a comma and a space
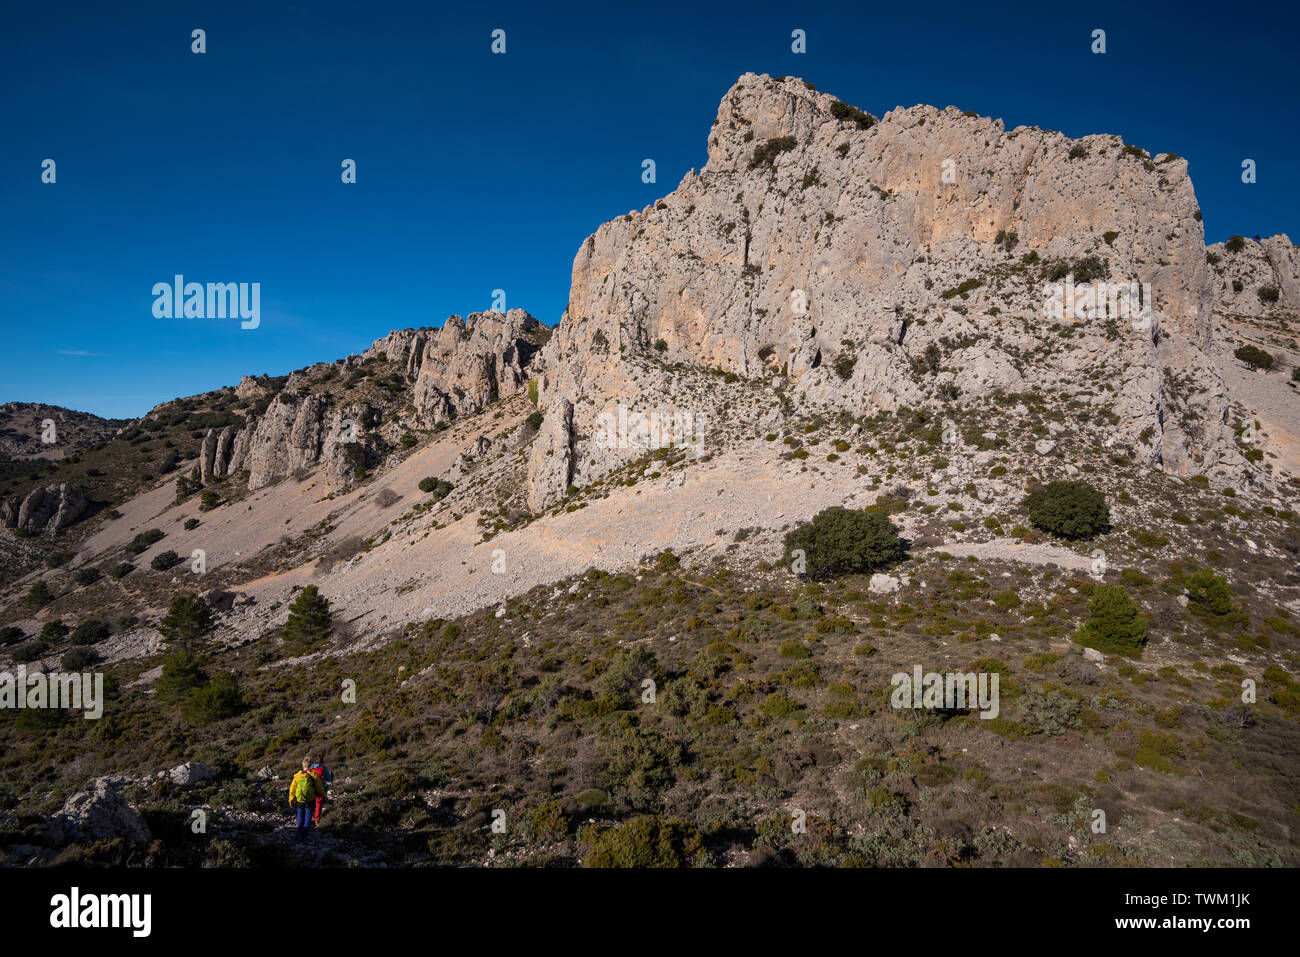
309, 618
187, 620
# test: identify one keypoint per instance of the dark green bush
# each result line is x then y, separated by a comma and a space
439, 488
218, 699
142, 541
768, 151
165, 560
187, 620
1254, 357
841, 541
851, 114
1114, 624
1068, 509
78, 659
54, 630
39, 595
89, 632
309, 619
87, 576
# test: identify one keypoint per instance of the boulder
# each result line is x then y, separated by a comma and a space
190, 773
881, 584
100, 813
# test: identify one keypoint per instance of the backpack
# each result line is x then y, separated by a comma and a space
319, 771
303, 789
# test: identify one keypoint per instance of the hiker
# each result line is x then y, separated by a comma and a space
323, 775
302, 789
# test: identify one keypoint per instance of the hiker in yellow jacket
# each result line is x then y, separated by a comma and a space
304, 789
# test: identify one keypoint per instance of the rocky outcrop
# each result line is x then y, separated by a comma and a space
1254, 279
52, 507
288, 437
550, 466
100, 813
453, 370
461, 367
871, 264
189, 774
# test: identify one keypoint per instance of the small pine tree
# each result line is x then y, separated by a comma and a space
1114, 624
187, 620
309, 619
39, 595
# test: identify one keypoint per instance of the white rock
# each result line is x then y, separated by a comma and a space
883, 584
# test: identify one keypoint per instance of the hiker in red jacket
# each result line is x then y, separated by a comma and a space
323, 775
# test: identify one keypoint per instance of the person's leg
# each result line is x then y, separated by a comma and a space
304, 819
316, 817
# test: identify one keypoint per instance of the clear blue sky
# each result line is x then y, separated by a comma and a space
478, 172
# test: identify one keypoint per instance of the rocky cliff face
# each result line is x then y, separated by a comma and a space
439, 373
871, 264
460, 367
51, 507
1254, 279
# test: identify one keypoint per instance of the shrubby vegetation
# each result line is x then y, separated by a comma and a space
841, 541
1114, 624
1068, 509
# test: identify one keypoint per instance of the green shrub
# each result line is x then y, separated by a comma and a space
142, 541
439, 488
191, 524
165, 560
1235, 244
122, 569
408, 440
309, 619
1114, 624
78, 659
87, 576
1254, 357
851, 114
840, 541
54, 630
209, 500
30, 651
1068, 509
647, 840
181, 674
218, 699
39, 595
89, 632
535, 420
766, 153
1211, 592
187, 620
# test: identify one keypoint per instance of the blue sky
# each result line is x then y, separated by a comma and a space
477, 171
